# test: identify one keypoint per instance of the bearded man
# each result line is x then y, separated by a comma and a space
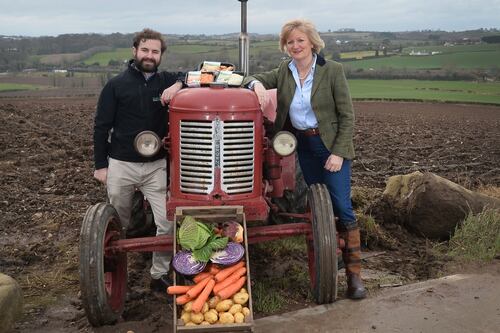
130, 103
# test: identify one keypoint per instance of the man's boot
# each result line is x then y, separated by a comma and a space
351, 254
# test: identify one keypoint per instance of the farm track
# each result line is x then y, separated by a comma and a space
46, 167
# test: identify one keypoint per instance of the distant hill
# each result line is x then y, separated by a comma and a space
98, 52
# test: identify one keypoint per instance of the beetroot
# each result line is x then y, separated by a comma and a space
233, 230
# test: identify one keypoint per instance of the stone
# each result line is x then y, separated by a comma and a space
11, 302
429, 205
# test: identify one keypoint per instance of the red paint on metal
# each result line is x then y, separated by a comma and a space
115, 279
226, 105
271, 232
144, 244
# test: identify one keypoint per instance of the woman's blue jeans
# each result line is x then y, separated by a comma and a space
312, 158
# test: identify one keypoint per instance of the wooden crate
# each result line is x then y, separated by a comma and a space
214, 214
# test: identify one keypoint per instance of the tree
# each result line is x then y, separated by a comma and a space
491, 39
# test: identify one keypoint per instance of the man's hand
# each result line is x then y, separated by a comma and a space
261, 93
170, 92
101, 175
334, 163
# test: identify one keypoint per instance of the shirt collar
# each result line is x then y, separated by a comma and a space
293, 66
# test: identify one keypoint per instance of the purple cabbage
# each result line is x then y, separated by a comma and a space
184, 263
230, 255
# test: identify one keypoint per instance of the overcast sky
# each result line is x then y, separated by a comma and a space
55, 17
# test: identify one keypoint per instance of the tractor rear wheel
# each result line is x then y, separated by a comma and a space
103, 276
323, 246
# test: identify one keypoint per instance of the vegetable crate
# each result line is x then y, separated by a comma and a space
213, 214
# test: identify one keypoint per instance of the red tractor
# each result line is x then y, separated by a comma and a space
221, 154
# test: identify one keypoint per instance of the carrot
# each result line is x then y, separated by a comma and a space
178, 290
181, 300
225, 272
203, 296
197, 288
232, 289
201, 276
230, 279
214, 269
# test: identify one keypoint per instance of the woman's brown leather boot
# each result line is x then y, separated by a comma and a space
351, 254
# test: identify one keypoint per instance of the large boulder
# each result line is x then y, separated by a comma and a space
430, 205
11, 302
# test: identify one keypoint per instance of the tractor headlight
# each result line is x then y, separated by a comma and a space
147, 143
284, 143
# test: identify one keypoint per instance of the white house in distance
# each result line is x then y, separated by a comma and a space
423, 53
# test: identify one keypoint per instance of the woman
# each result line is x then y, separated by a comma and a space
313, 95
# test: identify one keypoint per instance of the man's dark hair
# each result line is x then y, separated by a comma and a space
146, 34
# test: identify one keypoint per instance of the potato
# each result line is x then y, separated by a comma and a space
239, 318
245, 311
204, 323
226, 318
235, 308
186, 317
204, 308
243, 290
240, 298
191, 324
197, 318
188, 306
212, 302
224, 305
211, 316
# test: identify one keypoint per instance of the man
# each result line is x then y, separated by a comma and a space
132, 102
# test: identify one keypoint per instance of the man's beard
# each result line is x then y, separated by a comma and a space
146, 68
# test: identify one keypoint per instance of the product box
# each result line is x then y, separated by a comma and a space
213, 215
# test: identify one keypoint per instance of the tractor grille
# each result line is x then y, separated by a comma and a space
237, 157
197, 157
205, 146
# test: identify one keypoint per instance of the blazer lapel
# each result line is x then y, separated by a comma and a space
318, 74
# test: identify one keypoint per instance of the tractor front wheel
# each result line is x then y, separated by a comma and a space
323, 246
103, 276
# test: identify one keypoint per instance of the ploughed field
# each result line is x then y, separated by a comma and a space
46, 168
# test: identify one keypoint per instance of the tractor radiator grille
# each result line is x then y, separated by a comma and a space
238, 157
205, 146
197, 157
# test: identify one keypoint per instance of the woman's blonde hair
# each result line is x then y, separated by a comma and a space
304, 26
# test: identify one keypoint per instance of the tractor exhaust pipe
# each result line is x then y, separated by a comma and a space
244, 40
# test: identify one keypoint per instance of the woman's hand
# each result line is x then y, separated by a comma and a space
334, 163
261, 93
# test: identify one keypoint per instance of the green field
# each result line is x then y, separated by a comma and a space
103, 58
463, 56
443, 91
357, 54
210, 51
17, 86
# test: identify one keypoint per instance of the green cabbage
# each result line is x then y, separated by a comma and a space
193, 235
215, 242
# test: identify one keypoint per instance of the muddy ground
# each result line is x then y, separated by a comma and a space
46, 169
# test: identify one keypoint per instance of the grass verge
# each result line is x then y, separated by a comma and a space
478, 237
266, 299
277, 282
